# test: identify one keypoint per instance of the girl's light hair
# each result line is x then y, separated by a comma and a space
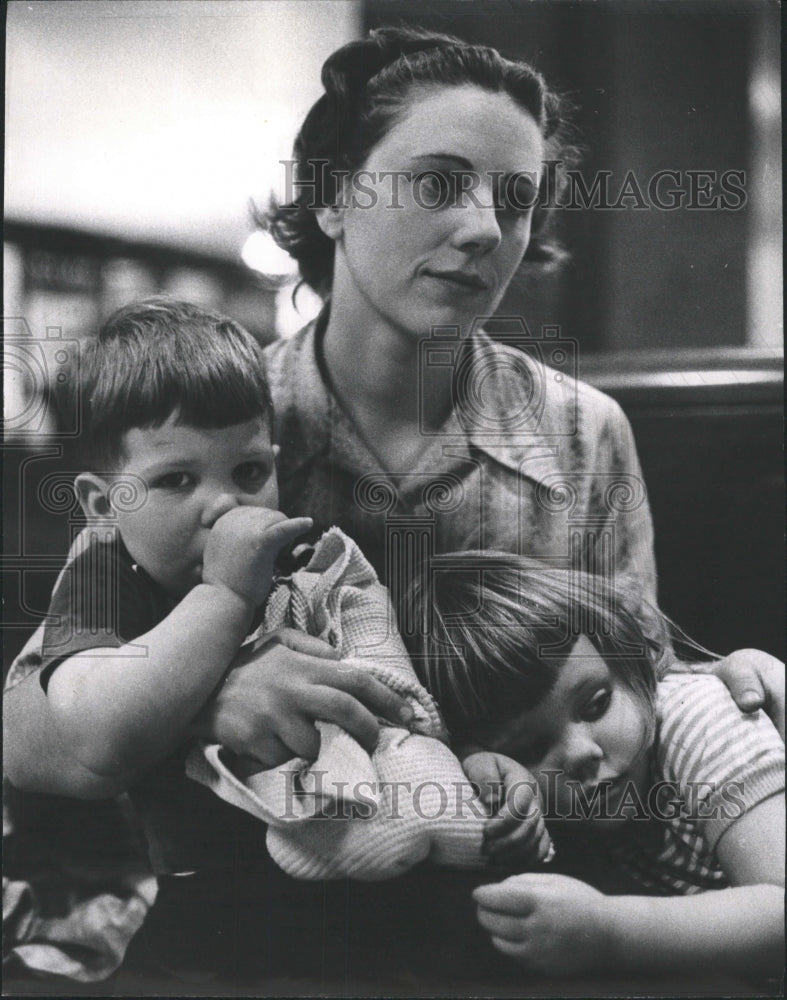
492, 629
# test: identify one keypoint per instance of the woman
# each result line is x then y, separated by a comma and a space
399, 420
367, 421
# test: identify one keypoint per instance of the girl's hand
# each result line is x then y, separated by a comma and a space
268, 703
755, 680
516, 833
549, 923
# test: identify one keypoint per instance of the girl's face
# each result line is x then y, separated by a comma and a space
436, 223
586, 738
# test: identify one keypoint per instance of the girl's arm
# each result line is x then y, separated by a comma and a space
556, 924
740, 929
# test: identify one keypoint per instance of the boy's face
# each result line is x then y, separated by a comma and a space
192, 476
589, 730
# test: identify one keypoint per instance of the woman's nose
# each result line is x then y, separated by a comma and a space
217, 505
479, 227
581, 754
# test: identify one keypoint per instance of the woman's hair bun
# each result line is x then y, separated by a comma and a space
350, 68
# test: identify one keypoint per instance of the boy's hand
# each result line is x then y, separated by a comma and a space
549, 923
516, 832
242, 548
270, 699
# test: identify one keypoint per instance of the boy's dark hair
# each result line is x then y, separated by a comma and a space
158, 357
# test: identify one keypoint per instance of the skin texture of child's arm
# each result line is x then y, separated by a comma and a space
556, 924
515, 833
116, 712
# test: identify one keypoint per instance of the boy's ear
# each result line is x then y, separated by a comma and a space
92, 492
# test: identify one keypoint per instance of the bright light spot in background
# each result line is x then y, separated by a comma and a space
261, 253
156, 120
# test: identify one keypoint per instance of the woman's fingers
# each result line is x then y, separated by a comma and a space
355, 681
755, 680
299, 642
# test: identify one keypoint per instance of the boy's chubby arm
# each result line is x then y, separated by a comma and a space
552, 923
112, 713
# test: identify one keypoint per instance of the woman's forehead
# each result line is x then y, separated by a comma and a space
481, 127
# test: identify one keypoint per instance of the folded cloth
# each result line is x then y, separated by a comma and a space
349, 813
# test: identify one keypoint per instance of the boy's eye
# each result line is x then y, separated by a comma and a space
172, 481
597, 706
252, 473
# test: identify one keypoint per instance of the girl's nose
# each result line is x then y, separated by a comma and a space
581, 753
217, 505
479, 227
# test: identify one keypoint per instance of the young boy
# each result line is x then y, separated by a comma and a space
178, 483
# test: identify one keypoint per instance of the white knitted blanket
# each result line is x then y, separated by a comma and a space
349, 814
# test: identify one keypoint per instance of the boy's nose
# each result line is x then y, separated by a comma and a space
217, 506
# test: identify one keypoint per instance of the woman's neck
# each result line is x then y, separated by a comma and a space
374, 368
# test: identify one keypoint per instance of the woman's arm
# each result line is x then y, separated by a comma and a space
556, 924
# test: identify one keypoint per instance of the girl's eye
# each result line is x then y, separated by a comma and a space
173, 481
597, 706
252, 474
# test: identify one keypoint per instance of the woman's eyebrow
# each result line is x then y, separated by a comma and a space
448, 157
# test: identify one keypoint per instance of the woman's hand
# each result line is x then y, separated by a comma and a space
273, 694
549, 923
516, 832
755, 680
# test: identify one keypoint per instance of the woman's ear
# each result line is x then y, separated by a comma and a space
331, 221
93, 494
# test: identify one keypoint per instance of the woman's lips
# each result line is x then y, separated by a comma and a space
465, 280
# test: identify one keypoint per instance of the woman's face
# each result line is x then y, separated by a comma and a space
437, 221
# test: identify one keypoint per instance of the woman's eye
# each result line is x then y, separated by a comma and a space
172, 481
597, 706
516, 196
252, 474
435, 189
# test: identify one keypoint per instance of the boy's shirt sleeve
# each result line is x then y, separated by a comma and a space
100, 601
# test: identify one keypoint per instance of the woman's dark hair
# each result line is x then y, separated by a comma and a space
367, 83
159, 357
488, 632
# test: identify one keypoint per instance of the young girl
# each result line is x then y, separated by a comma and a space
566, 675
